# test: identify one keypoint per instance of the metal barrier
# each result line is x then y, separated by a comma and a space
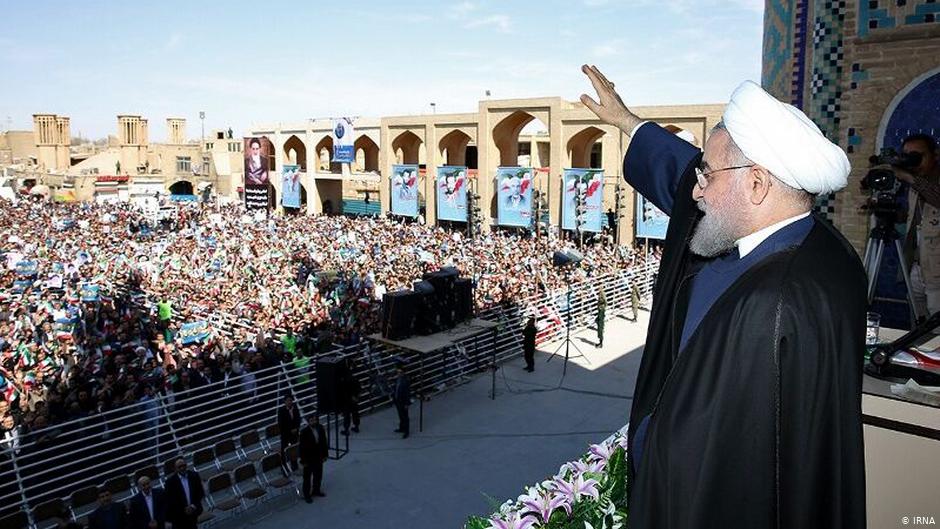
143, 437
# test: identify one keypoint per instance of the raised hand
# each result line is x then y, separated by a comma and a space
611, 109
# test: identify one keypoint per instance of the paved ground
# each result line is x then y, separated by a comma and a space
472, 447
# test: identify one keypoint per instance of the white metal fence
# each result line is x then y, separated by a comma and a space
218, 427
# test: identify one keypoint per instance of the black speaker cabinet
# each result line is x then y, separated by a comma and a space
427, 310
331, 372
398, 314
463, 299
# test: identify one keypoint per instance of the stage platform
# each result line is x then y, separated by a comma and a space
440, 340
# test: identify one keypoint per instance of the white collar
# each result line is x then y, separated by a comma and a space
747, 243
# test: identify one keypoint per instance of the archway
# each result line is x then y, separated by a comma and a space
453, 148
913, 110
324, 150
584, 149
295, 152
182, 187
369, 152
409, 144
506, 137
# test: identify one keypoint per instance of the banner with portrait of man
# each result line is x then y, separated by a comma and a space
651, 222
589, 185
514, 196
258, 151
452, 193
404, 192
343, 132
290, 186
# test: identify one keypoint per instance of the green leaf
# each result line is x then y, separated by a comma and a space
617, 476
476, 522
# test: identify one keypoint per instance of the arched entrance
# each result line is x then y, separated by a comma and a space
522, 140
368, 152
506, 137
295, 152
407, 146
453, 148
182, 187
324, 151
585, 150
916, 109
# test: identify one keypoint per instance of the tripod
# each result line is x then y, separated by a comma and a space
882, 234
567, 344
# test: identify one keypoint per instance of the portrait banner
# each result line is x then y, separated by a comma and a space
257, 160
343, 151
651, 222
194, 332
256, 196
290, 186
27, 268
514, 196
589, 183
90, 292
404, 193
452, 193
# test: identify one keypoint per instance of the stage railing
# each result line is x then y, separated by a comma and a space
143, 436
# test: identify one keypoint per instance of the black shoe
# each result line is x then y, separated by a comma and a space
399, 430
320, 494
404, 435
308, 499
355, 429
530, 369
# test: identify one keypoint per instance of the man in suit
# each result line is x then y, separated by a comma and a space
288, 424
402, 399
184, 495
314, 449
147, 507
108, 515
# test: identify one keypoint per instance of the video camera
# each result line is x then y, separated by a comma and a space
881, 179
883, 183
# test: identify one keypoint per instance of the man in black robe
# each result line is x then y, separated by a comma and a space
747, 407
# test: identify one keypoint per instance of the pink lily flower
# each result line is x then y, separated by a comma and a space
545, 504
513, 521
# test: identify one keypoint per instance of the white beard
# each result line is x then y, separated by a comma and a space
256, 160
717, 232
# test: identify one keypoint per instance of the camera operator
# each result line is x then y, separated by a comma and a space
922, 245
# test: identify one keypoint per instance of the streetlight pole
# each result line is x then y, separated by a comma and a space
434, 108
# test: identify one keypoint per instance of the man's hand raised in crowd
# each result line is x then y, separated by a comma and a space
611, 109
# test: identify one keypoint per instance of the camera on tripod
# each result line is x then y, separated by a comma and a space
882, 181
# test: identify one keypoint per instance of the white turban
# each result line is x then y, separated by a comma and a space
782, 139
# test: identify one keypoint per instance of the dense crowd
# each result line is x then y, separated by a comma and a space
93, 296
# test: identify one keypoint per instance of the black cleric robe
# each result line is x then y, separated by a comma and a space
756, 421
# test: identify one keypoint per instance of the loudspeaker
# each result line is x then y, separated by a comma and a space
426, 309
463, 299
331, 371
443, 281
398, 314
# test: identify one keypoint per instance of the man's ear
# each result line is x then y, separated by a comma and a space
758, 181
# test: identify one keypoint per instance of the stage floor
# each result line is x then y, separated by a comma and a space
440, 340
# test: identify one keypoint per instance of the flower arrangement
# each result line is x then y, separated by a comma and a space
589, 493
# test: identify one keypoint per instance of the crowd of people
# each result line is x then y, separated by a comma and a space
93, 295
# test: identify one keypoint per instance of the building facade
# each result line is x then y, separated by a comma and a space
868, 73
499, 133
